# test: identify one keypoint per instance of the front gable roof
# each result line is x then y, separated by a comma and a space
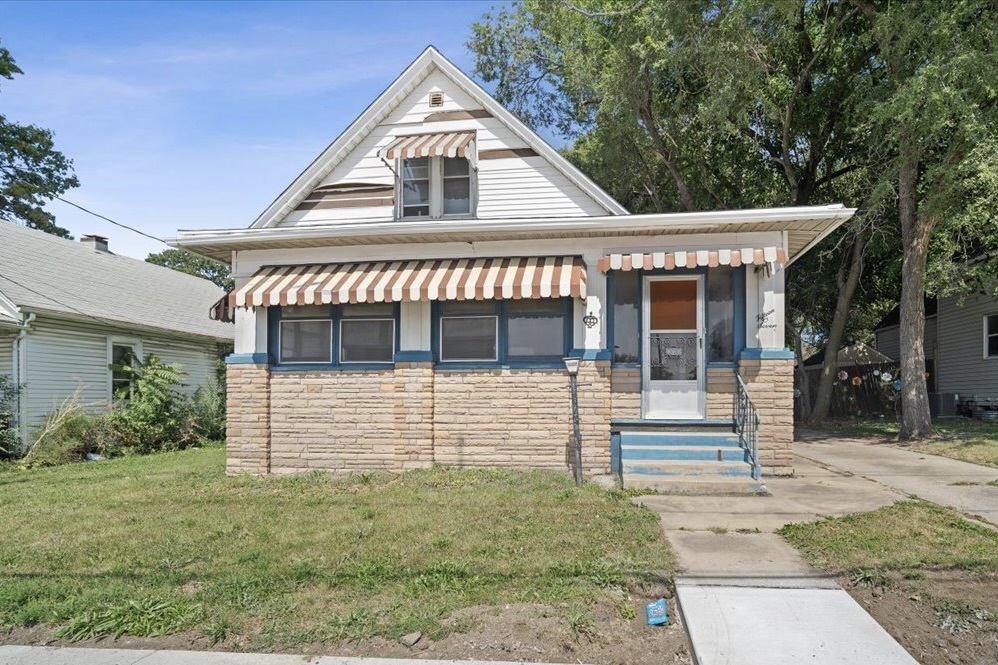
429, 60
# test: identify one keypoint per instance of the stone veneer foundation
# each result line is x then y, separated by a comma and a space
414, 415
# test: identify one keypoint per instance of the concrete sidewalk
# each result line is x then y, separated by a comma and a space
948, 482
747, 597
23, 655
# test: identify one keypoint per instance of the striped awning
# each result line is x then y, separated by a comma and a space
410, 281
429, 145
222, 310
692, 259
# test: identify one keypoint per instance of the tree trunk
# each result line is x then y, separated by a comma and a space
916, 421
847, 287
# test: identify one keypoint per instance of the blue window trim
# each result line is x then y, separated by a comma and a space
503, 360
335, 313
738, 288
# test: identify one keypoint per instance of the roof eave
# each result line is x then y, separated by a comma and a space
213, 242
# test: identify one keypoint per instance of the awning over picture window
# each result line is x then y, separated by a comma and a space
429, 145
410, 281
222, 311
768, 256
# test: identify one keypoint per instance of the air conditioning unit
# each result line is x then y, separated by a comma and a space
943, 405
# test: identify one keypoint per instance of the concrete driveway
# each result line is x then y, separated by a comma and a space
948, 482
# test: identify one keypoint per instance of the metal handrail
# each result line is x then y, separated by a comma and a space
747, 425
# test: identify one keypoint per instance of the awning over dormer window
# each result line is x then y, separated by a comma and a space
428, 145
412, 281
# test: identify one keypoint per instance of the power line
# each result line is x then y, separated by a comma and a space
50, 298
108, 219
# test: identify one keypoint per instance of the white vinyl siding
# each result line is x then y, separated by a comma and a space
959, 366
507, 187
62, 355
7, 354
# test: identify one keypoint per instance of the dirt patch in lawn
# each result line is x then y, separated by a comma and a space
604, 633
937, 619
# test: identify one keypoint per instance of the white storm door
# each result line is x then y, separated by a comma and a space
672, 370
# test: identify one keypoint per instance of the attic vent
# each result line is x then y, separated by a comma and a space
436, 99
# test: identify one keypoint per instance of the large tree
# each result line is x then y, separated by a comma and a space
934, 118
31, 169
694, 105
183, 261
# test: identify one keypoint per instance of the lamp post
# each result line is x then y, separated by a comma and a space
572, 367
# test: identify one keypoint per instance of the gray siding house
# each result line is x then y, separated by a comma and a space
68, 310
961, 346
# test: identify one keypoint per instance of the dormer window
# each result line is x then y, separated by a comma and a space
436, 176
436, 187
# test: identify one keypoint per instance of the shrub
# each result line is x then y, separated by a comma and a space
206, 412
151, 415
8, 418
62, 436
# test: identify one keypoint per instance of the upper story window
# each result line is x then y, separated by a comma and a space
991, 336
435, 187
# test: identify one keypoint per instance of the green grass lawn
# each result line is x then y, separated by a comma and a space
906, 536
166, 543
959, 438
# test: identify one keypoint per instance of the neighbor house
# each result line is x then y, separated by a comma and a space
409, 298
961, 351
70, 310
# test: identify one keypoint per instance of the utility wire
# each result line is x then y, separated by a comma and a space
50, 298
108, 219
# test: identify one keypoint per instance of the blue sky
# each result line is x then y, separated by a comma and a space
198, 114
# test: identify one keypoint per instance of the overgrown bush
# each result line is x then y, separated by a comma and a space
8, 418
63, 435
151, 415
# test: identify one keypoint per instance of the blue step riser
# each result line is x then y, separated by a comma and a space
666, 473
712, 441
704, 454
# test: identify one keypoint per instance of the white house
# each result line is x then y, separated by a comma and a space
69, 310
409, 298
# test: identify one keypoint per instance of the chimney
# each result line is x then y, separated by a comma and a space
97, 243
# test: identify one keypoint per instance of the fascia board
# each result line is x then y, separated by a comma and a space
835, 214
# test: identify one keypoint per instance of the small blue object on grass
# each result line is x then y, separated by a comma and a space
658, 612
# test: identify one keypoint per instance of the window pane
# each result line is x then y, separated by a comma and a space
121, 356
304, 311
416, 192
535, 328
416, 169
721, 314
370, 309
306, 341
468, 307
470, 338
626, 333
364, 340
991, 330
455, 166
457, 196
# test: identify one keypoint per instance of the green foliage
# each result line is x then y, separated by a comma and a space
151, 416
183, 261
62, 437
9, 443
31, 169
150, 617
206, 411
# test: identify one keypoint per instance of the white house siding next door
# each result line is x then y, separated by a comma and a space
672, 368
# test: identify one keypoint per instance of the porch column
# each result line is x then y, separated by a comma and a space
415, 387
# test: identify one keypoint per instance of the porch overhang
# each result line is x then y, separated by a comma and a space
805, 227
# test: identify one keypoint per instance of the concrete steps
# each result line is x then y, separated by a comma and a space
686, 457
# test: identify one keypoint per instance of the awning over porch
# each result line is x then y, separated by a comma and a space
429, 145
410, 281
692, 259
